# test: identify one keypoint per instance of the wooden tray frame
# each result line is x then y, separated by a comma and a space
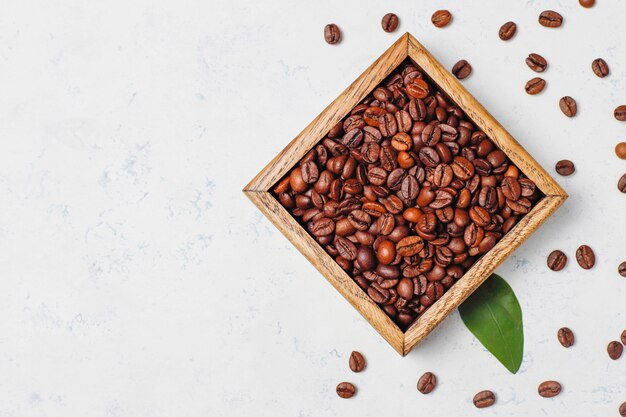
258, 191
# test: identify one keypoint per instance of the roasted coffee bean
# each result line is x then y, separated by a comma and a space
332, 34
620, 150
535, 86
536, 62
507, 31
548, 389
587, 3
550, 19
600, 67
418, 88
621, 184
621, 269
377, 293
522, 206
390, 22
357, 361
462, 168
565, 336
409, 246
623, 337
462, 69
346, 390
441, 18
346, 249
614, 349
568, 106
427, 383
511, 188
565, 167
585, 257
620, 113
622, 408
557, 260
484, 399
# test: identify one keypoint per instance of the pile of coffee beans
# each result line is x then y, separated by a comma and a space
406, 193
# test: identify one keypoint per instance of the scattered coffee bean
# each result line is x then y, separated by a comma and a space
332, 34
622, 269
622, 409
441, 18
406, 194
620, 150
390, 22
550, 19
600, 68
568, 106
484, 399
565, 167
566, 337
549, 389
346, 390
585, 257
615, 349
623, 337
462, 69
620, 113
357, 361
535, 86
427, 383
536, 62
587, 3
621, 184
557, 260
507, 31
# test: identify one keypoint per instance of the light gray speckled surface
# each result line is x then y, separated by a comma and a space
136, 278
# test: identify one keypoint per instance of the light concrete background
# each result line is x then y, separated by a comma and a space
137, 280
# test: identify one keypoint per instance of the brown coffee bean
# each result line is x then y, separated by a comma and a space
621, 269
441, 18
600, 67
427, 383
357, 361
418, 88
621, 184
623, 337
346, 390
390, 22
549, 389
622, 409
620, 150
550, 19
565, 167
536, 62
346, 249
484, 399
620, 113
585, 257
507, 31
535, 86
322, 227
565, 336
511, 188
557, 260
332, 34
462, 69
587, 3
568, 106
614, 349
377, 293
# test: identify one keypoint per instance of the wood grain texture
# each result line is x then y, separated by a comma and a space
258, 191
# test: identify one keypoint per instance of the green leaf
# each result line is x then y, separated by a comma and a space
493, 314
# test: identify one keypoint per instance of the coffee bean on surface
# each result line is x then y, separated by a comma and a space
357, 361
565, 336
621, 269
614, 349
620, 113
427, 383
587, 3
550, 19
535, 86
623, 337
621, 183
507, 31
390, 22
585, 257
548, 389
462, 69
332, 34
346, 390
622, 409
557, 260
600, 67
536, 62
565, 167
620, 150
441, 18
484, 399
568, 106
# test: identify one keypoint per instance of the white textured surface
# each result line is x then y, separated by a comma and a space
137, 280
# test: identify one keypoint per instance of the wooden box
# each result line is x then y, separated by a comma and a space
259, 191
